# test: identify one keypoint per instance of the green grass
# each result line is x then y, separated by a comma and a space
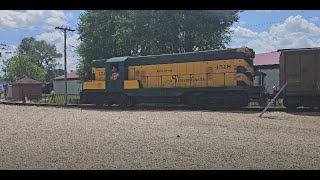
256, 105
75, 99
59, 99
6, 98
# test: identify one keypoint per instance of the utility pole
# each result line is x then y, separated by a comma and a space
65, 29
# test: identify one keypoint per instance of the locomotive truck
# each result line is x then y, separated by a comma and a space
218, 78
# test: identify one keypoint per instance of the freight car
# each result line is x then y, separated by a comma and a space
300, 68
204, 78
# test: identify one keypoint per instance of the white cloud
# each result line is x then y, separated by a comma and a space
242, 22
294, 32
47, 19
243, 33
314, 19
57, 38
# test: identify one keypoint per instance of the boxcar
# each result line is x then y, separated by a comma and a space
300, 68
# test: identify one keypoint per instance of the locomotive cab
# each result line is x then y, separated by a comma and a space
258, 79
259, 83
93, 89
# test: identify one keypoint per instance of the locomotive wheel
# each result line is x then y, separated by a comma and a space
245, 100
192, 100
99, 104
133, 101
241, 98
124, 101
110, 103
288, 105
83, 98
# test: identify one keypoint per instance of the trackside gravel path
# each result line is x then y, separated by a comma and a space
57, 138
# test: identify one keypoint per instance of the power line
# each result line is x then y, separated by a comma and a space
317, 44
65, 29
26, 27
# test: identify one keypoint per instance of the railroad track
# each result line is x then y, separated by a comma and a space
158, 107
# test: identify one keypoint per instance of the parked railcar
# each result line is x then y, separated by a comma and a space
300, 68
205, 78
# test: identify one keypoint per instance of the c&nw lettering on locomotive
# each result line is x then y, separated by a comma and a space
187, 79
164, 70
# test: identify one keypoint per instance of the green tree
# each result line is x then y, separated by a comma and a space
44, 55
53, 73
21, 66
106, 34
97, 34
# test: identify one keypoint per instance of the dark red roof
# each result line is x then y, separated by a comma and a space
71, 75
27, 81
266, 58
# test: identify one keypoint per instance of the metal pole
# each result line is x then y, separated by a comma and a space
273, 99
65, 67
64, 29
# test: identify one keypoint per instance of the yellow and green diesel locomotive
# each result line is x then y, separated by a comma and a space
204, 78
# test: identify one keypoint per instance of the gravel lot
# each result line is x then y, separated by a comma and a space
57, 138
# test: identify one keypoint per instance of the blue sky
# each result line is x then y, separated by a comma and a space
267, 31
262, 30
261, 20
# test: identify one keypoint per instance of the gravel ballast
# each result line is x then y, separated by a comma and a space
56, 138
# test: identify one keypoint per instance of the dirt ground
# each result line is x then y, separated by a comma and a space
57, 138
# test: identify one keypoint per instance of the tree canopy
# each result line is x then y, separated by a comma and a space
44, 55
111, 33
21, 66
41, 53
40, 59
